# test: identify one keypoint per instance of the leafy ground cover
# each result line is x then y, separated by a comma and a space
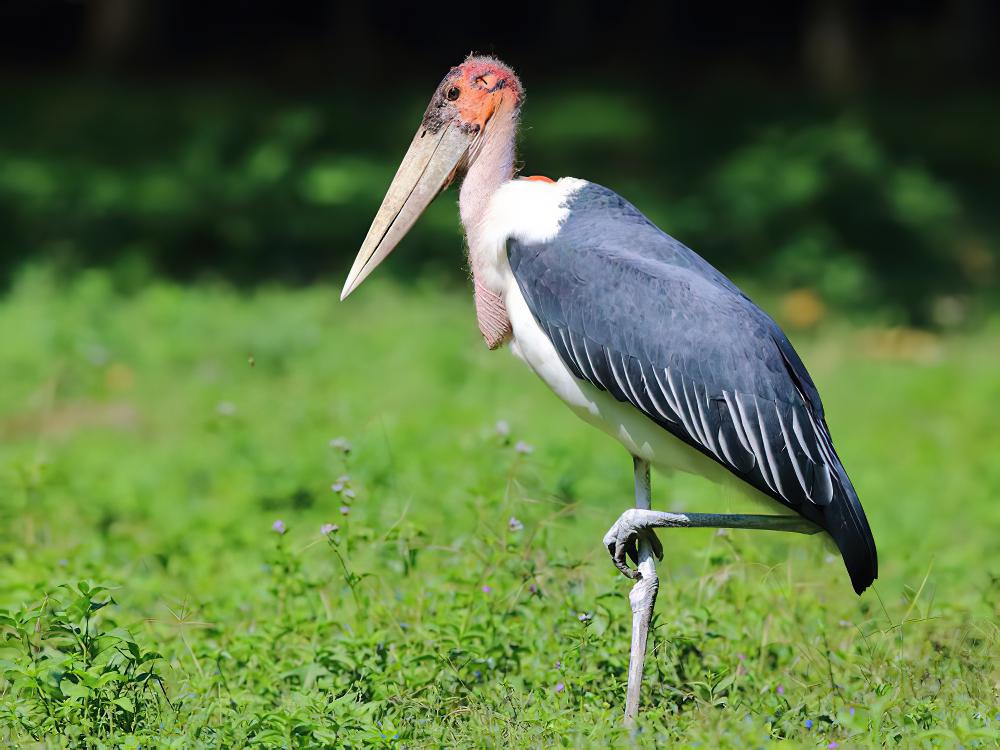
269, 519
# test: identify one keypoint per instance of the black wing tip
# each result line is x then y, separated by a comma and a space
857, 547
861, 580
849, 528
860, 559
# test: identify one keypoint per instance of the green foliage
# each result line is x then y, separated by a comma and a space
437, 578
825, 206
254, 186
70, 675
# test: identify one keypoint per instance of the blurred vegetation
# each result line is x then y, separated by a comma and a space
882, 208
437, 577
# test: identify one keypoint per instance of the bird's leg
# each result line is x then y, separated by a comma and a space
634, 527
642, 597
632, 535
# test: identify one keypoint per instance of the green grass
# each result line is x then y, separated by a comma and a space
148, 442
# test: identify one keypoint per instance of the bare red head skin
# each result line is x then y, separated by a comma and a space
471, 93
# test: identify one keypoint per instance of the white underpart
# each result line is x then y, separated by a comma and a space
533, 211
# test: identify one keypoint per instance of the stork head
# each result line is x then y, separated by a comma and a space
450, 136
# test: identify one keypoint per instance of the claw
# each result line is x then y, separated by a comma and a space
622, 548
617, 549
632, 549
622, 540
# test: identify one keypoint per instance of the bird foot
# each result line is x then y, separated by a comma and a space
623, 538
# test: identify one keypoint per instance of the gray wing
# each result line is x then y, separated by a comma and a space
636, 313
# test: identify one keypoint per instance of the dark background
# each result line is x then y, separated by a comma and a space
845, 148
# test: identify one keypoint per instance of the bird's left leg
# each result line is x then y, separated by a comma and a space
642, 597
632, 534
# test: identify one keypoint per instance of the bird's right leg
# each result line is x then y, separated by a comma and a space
632, 535
634, 527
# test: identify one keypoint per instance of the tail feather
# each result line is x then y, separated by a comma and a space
843, 518
845, 521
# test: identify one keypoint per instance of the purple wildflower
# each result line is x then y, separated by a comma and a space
514, 525
780, 690
833, 745
533, 589
741, 657
279, 527
584, 617
560, 687
329, 528
502, 428
349, 493
809, 723
558, 664
487, 588
523, 448
344, 510
337, 486
851, 712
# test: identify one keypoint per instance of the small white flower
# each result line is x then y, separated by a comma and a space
341, 444
226, 408
523, 448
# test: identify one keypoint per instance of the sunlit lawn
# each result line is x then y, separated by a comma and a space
150, 442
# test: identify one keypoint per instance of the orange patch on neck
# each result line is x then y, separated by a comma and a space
539, 178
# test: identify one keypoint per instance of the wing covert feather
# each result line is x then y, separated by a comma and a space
639, 315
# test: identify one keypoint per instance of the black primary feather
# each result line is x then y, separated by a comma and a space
638, 314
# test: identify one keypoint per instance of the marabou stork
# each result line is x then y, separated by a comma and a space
638, 334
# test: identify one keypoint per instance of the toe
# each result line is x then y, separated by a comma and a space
632, 549
654, 542
609, 541
621, 549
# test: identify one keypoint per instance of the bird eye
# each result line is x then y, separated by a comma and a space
453, 93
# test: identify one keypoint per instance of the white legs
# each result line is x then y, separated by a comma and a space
642, 597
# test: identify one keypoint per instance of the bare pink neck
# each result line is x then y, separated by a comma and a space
493, 166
